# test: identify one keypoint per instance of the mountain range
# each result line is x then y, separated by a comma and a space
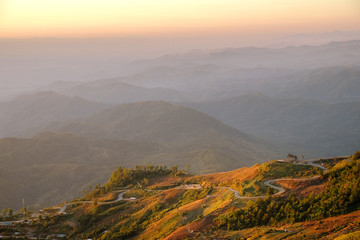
113, 91
303, 125
328, 72
291, 57
331, 84
41, 168
36, 110
173, 126
213, 110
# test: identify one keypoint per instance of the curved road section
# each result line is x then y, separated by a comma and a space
311, 162
279, 189
119, 198
268, 183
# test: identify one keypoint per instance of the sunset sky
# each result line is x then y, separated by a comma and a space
84, 18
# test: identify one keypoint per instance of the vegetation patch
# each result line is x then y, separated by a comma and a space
191, 195
330, 162
253, 188
275, 169
135, 193
123, 177
350, 236
341, 196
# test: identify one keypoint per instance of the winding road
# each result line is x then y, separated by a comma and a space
119, 198
268, 183
280, 189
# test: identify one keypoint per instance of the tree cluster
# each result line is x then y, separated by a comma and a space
7, 213
122, 177
341, 196
292, 157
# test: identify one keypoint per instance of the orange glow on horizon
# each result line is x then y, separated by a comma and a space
62, 18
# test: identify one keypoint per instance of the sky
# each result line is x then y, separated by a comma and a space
104, 18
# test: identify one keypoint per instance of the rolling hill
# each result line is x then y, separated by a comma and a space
138, 133
52, 167
304, 126
174, 126
20, 115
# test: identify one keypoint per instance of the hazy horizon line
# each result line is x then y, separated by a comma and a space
182, 35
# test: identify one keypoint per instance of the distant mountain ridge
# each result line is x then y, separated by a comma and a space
332, 84
328, 72
20, 115
114, 91
301, 71
171, 125
300, 124
302, 57
52, 167
183, 130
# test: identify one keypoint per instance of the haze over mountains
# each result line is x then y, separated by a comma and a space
302, 125
301, 57
27, 64
41, 168
327, 72
114, 92
52, 167
215, 110
331, 84
157, 122
36, 110
220, 73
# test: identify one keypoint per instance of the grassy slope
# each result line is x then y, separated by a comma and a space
328, 228
179, 213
